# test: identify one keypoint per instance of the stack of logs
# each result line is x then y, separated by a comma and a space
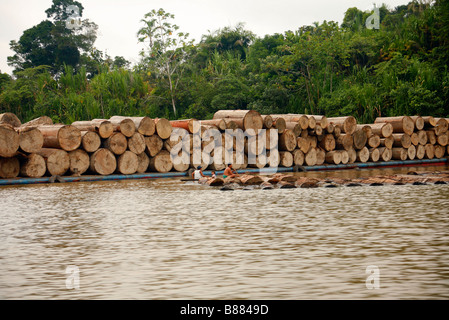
129, 145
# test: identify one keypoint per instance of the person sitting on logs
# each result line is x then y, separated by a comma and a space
229, 172
198, 173
213, 175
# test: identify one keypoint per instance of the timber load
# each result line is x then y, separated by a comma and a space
129, 145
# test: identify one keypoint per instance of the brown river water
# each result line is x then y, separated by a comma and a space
167, 239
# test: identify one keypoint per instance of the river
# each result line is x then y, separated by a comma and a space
167, 239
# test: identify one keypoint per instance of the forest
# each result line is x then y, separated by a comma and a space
328, 68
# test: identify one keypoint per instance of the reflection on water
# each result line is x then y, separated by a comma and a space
166, 239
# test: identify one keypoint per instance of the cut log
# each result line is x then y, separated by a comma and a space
347, 124
273, 158
294, 127
317, 131
154, 145
441, 126
231, 124
57, 161
302, 119
193, 125
9, 141
402, 140
312, 122
31, 139
313, 141
411, 152
363, 155
439, 151
143, 161
345, 141
103, 162
420, 151
333, 157
352, 155
442, 140
384, 130
248, 180
414, 138
321, 121
32, 166
360, 139
429, 122
431, 137
161, 162
136, 143
387, 142
220, 124
198, 158
90, 141
143, 125
303, 144
9, 168
267, 121
181, 162
320, 156
251, 118
279, 124
117, 143
422, 137
311, 157
286, 159
298, 157
259, 162
330, 128
373, 141
344, 156
399, 154
430, 151
328, 142
79, 161
65, 137
163, 128
287, 141
11, 119
403, 124
419, 122
104, 128
44, 120
337, 131
374, 154
385, 153
127, 163
124, 125
367, 128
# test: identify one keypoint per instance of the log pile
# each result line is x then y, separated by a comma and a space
128, 145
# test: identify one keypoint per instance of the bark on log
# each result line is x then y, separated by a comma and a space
333, 157
136, 143
430, 151
57, 160
248, 180
286, 159
384, 130
220, 124
347, 124
9, 168
143, 162
399, 154
287, 141
193, 125
90, 141
32, 166
79, 161
402, 140
104, 128
387, 142
429, 122
103, 162
311, 157
127, 163
374, 154
117, 143
363, 155
302, 119
161, 162
65, 137
124, 125
44, 120
154, 145
419, 122
411, 152
367, 128
163, 128
143, 125
373, 141
328, 142
11, 119
31, 139
9, 141
298, 157
345, 141
402, 124
360, 139
321, 121
439, 151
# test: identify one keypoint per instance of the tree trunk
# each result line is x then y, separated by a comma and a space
422, 137
124, 125
79, 161
333, 157
65, 137
103, 128
360, 139
374, 141
117, 143
44, 120
11, 119
298, 157
161, 162
431, 137
154, 145
429, 121
441, 126
374, 154
385, 154
32, 166
9, 141
430, 151
311, 157
347, 124
439, 151
267, 121
220, 124
9, 168
143, 162
286, 159
328, 142
302, 119
136, 143
352, 155
387, 142
287, 141
127, 163
399, 154
103, 162
345, 141
163, 128
303, 144
363, 155
344, 156
419, 122
57, 161
144, 125
294, 127
442, 140
402, 140
384, 130
280, 124
367, 128
250, 180
420, 151
90, 141
402, 124
251, 118
414, 139
411, 152
31, 139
